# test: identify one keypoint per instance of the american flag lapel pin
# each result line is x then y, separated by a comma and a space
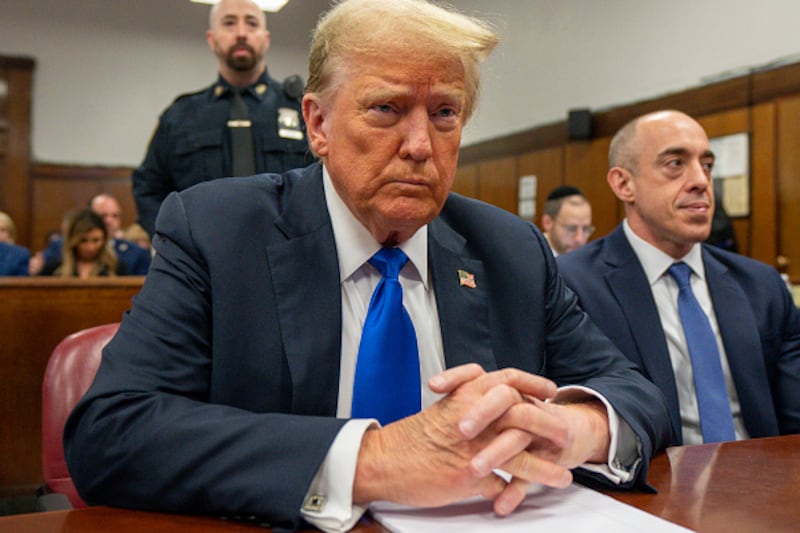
466, 279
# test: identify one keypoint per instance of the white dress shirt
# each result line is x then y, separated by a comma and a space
329, 503
665, 293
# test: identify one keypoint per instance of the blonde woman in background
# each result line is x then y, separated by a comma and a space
8, 230
85, 251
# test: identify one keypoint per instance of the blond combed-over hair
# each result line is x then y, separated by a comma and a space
414, 29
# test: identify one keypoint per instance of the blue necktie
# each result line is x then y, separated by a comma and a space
387, 382
716, 419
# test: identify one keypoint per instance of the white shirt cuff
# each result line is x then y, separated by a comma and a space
329, 501
624, 448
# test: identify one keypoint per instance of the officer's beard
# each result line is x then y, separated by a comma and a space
242, 62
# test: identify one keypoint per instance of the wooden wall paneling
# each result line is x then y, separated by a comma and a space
586, 167
763, 185
545, 136
548, 167
17, 75
711, 98
770, 84
37, 313
728, 123
466, 181
499, 182
57, 189
788, 230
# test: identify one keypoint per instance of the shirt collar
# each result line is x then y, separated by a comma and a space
257, 90
355, 245
655, 262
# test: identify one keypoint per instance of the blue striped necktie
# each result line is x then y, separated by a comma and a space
387, 381
716, 419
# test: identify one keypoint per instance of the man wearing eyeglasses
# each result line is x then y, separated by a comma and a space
567, 219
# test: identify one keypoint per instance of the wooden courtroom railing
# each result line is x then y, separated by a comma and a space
35, 315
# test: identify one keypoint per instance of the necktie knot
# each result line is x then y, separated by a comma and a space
680, 272
389, 262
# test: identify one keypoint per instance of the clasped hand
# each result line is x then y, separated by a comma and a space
486, 421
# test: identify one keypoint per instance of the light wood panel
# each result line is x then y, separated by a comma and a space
586, 166
499, 183
466, 181
548, 167
763, 185
789, 182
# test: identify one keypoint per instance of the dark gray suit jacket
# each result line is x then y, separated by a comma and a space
218, 394
759, 324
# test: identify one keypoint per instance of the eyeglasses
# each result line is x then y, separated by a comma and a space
573, 229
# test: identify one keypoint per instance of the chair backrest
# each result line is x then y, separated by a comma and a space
70, 370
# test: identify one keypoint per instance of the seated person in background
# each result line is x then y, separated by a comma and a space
85, 251
136, 260
51, 253
567, 219
240, 381
8, 230
13, 259
137, 235
650, 286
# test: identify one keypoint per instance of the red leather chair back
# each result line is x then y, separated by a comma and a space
71, 369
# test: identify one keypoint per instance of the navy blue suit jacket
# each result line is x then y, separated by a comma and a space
218, 394
758, 321
136, 258
13, 260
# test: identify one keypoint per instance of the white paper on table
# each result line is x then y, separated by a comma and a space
574, 509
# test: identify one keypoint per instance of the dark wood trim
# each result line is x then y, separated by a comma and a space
58, 283
770, 84
546, 136
708, 99
78, 172
17, 62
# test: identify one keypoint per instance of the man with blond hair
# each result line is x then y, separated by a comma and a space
308, 343
243, 124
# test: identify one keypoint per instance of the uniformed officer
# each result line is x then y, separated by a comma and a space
197, 135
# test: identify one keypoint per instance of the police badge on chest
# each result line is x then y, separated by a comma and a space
289, 124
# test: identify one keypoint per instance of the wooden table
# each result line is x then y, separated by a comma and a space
747, 486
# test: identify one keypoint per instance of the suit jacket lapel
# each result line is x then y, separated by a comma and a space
628, 283
463, 310
305, 274
739, 331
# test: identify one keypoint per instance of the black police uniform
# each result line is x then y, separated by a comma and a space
192, 144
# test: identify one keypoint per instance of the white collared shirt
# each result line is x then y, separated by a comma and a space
665, 294
333, 483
